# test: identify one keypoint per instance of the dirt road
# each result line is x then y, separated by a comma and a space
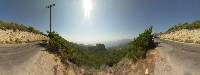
14, 58
184, 59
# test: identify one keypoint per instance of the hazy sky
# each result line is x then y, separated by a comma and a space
89, 21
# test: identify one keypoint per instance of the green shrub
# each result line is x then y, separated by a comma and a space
140, 45
59, 45
31, 29
114, 56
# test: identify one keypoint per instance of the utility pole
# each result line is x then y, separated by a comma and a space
50, 6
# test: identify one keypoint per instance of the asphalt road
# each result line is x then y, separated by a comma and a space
184, 58
16, 55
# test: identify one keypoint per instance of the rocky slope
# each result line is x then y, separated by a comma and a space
45, 64
10, 36
124, 67
185, 35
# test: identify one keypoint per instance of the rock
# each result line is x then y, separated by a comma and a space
146, 71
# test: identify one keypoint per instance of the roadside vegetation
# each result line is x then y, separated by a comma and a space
15, 27
98, 56
190, 26
83, 55
138, 48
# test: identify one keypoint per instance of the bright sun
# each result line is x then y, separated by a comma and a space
87, 6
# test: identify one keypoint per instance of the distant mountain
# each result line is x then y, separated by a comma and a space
116, 43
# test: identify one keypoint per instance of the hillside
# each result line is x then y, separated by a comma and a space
10, 36
189, 33
19, 33
184, 35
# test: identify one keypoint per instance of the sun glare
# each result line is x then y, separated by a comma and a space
87, 6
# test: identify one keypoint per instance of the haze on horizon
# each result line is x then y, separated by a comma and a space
92, 21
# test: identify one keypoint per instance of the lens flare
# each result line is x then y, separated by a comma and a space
87, 6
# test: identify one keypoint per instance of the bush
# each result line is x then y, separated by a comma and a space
114, 56
31, 29
139, 46
191, 26
59, 45
15, 27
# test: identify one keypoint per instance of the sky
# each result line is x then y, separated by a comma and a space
91, 21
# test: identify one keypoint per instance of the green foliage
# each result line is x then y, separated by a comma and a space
83, 55
90, 58
100, 47
194, 25
96, 59
61, 46
139, 46
114, 56
97, 56
15, 27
